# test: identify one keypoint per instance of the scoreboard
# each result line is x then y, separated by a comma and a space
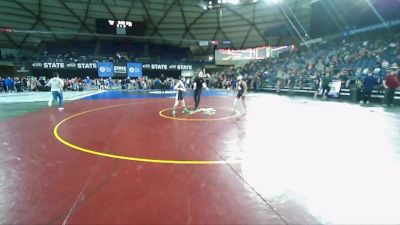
120, 27
231, 57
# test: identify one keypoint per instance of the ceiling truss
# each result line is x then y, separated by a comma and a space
188, 22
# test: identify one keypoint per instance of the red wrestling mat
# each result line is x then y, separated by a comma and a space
50, 182
129, 161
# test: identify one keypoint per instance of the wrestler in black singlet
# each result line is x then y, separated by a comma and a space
240, 90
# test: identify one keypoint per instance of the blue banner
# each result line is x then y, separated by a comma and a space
105, 69
134, 69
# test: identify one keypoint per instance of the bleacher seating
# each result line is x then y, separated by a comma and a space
353, 57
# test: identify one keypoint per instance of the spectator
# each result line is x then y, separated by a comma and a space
326, 80
390, 83
280, 80
163, 84
18, 85
368, 85
3, 85
316, 83
9, 84
87, 82
385, 64
291, 83
56, 84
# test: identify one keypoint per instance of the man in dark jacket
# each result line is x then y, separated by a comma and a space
368, 85
199, 84
326, 80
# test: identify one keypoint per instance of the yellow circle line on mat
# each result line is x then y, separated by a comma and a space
115, 156
161, 113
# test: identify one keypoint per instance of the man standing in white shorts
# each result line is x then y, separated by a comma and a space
56, 84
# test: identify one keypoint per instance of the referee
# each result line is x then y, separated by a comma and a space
199, 83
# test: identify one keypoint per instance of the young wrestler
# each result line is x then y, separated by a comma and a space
241, 90
180, 88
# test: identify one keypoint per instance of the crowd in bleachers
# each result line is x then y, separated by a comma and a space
346, 60
31, 83
306, 67
103, 50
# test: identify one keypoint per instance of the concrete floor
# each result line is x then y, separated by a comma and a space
291, 161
